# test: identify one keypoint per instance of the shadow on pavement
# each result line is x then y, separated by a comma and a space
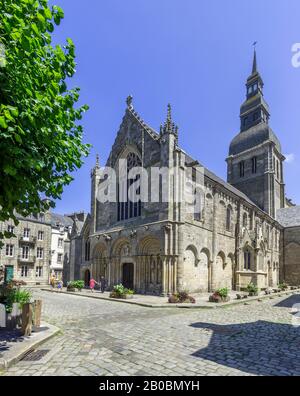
259, 348
289, 301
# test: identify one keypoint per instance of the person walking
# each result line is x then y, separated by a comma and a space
60, 285
52, 281
102, 284
92, 284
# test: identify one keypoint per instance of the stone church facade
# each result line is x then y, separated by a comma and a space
162, 247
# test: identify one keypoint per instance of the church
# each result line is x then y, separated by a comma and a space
245, 231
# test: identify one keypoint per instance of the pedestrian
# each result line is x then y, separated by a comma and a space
102, 284
52, 281
92, 284
60, 285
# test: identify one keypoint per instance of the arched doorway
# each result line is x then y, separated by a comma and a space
87, 277
128, 275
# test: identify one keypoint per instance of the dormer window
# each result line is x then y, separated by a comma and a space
250, 89
255, 87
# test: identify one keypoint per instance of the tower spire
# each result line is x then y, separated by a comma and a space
255, 109
97, 161
254, 67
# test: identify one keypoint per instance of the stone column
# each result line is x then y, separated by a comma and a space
214, 237
163, 276
175, 275
180, 263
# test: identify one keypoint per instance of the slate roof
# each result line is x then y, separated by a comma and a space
252, 137
289, 217
220, 181
61, 220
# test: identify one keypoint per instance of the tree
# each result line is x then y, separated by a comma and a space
41, 141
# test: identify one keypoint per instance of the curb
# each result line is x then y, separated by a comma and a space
30, 345
182, 306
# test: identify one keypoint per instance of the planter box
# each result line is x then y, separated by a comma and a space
11, 320
219, 299
123, 296
252, 294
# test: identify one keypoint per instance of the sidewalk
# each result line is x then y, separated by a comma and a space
162, 302
14, 346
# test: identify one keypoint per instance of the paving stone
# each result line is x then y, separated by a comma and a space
105, 338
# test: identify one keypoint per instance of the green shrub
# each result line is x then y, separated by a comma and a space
283, 286
77, 284
120, 290
9, 294
22, 297
252, 288
223, 292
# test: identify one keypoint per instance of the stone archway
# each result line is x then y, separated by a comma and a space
191, 275
150, 266
100, 262
222, 272
121, 252
205, 268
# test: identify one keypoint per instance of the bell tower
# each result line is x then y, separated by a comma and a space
255, 161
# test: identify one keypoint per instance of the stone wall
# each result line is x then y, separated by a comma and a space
291, 256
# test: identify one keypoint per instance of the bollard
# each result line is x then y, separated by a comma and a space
27, 319
37, 313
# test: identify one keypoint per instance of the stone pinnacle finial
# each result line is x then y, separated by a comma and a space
169, 117
129, 101
97, 161
169, 126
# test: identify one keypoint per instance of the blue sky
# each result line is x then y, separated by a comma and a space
195, 54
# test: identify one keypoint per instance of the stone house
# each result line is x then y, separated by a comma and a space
61, 227
27, 255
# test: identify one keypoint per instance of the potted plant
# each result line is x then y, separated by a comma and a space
220, 295
119, 291
252, 289
14, 298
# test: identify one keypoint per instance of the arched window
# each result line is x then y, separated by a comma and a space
242, 168
245, 220
127, 208
228, 219
87, 250
268, 236
247, 260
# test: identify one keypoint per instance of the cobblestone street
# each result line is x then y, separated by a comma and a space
110, 338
